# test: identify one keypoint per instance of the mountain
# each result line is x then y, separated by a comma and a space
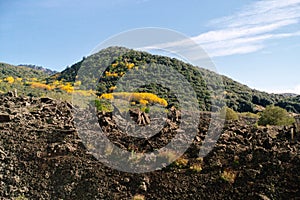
119, 60
27, 80
39, 68
21, 71
289, 95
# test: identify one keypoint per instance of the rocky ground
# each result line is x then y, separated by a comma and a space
42, 157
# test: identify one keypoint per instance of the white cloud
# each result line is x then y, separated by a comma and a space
243, 31
242, 45
263, 11
248, 30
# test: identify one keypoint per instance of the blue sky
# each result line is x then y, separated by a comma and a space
254, 42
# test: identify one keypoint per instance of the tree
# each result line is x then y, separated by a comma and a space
274, 115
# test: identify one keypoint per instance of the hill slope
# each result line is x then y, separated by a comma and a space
27, 80
20, 71
118, 60
39, 68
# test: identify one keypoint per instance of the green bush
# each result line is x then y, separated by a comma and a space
249, 114
103, 105
229, 114
274, 115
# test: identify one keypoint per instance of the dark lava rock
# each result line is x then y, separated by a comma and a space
5, 118
43, 157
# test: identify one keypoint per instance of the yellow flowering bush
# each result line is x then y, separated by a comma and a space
143, 98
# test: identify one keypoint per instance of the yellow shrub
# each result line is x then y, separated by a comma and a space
111, 74
113, 88
9, 79
196, 168
56, 83
40, 85
86, 93
138, 197
143, 102
77, 83
145, 97
181, 162
228, 175
129, 65
106, 96
114, 64
68, 88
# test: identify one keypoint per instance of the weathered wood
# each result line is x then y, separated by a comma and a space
141, 118
147, 119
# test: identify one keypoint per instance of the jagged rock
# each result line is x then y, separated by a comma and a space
46, 100
143, 186
42, 156
263, 197
5, 118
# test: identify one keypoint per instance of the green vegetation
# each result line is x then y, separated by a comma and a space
228, 175
7, 70
274, 115
250, 115
229, 114
39, 68
31, 81
196, 168
115, 62
118, 61
181, 163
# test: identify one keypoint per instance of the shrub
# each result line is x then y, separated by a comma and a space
21, 197
41, 86
168, 156
274, 115
250, 115
103, 105
143, 98
9, 79
196, 168
229, 113
228, 176
145, 109
138, 197
181, 162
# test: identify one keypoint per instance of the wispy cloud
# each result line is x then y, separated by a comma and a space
249, 29
246, 31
